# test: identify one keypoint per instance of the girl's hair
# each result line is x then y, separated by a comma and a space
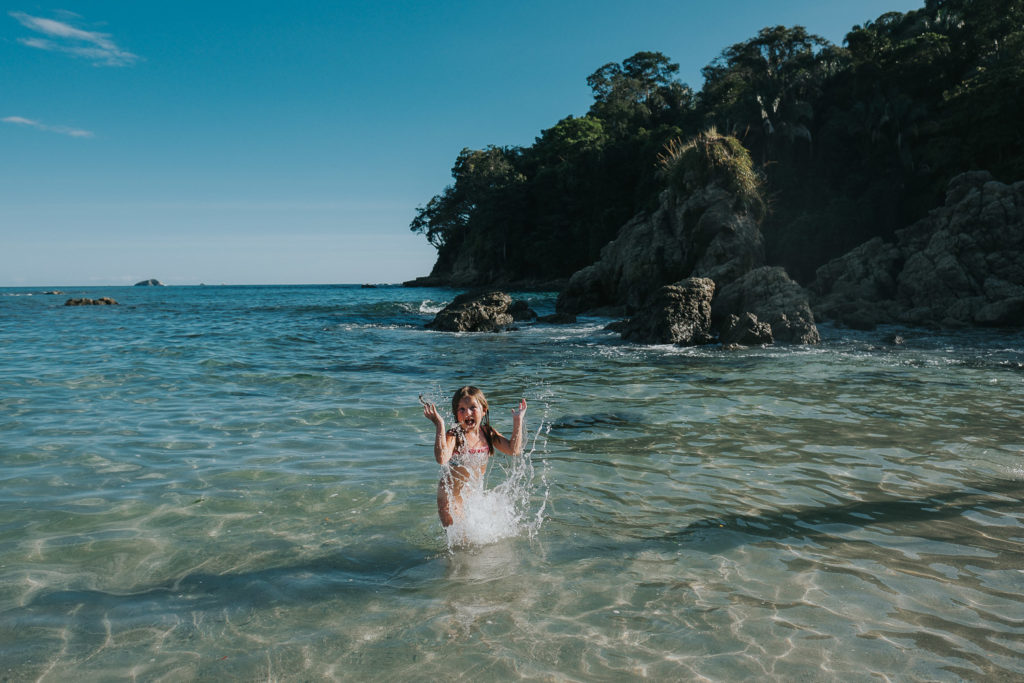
485, 425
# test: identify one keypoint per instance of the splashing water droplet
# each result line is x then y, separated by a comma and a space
512, 508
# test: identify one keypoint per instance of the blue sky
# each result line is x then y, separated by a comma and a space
265, 142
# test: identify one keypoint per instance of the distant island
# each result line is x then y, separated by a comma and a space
152, 282
848, 145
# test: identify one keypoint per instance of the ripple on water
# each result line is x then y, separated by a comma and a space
238, 482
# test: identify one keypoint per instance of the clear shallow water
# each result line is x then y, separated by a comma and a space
228, 483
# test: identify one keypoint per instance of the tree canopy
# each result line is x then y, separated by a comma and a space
850, 142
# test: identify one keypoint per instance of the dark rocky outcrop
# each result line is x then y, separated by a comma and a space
475, 312
521, 311
772, 297
679, 313
426, 281
152, 282
745, 330
102, 301
701, 235
558, 319
706, 226
963, 264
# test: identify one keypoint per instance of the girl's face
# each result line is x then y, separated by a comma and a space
470, 413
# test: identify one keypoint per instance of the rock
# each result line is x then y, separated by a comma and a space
474, 312
149, 283
520, 310
859, 281
773, 297
675, 314
558, 319
102, 301
706, 231
745, 330
962, 264
426, 281
1008, 312
52, 292
702, 234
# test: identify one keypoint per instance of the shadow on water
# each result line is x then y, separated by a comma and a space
358, 573
596, 420
816, 522
352, 573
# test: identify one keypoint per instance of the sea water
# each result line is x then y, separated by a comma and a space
237, 483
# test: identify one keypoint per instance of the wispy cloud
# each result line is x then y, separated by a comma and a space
63, 130
61, 36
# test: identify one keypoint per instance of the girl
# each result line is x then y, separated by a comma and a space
464, 449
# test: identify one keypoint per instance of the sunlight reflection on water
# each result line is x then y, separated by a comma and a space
215, 483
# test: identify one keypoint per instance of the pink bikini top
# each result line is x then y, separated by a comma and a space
471, 457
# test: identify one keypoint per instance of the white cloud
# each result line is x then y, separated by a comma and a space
63, 130
61, 36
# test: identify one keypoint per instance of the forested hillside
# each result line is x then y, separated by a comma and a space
851, 141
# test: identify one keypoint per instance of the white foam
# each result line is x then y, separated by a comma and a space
428, 306
512, 508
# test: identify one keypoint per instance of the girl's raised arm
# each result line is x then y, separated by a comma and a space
443, 446
514, 446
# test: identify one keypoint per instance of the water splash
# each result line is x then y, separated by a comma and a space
514, 507
432, 307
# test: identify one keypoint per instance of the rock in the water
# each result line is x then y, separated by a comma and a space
558, 319
701, 229
703, 234
102, 301
745, 330
520, 310
773, 297
475, 312
675, 314
152, 282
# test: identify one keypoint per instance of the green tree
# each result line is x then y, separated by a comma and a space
569, 139
765, 89
470, 207
642, 92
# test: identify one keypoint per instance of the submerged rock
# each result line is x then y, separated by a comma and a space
475, 312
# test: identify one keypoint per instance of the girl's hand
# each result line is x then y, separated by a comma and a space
521, 412
430, 412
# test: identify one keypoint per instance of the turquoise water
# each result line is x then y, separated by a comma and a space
237, 483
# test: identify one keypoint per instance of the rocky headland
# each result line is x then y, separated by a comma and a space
695, 266
693, 270
962, 264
